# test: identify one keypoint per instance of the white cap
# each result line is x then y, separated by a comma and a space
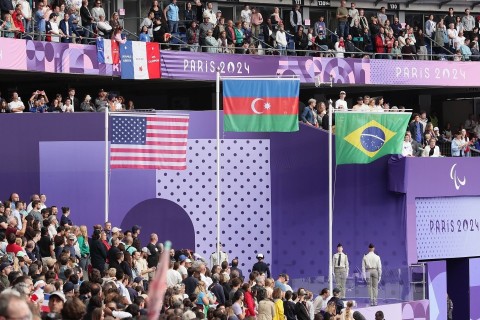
115, 230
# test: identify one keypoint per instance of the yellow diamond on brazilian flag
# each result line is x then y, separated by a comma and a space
363, 137
370, 138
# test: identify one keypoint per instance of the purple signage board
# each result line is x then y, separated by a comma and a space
203, 66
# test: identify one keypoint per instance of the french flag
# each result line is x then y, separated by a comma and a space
108, 51
140, 60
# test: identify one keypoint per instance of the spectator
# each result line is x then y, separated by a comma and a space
203, 30
256, 22
87, 105
68, 29
144, 35
281, 39
189, 15
192, 36
97, 11
246, 14
239, 36
416, 129
301, 41
211, 13
87, 21
156, 9
431, 150
342, 19
170, 14
148, 23
296, 19
408, 50
340, 48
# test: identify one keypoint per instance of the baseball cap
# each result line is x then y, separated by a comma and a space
135, 228
115, 230
302, 292
336, 290
188, 260
436, 129
4, 265
68, 286
71, 237
260, 256
182, 258
59, 294
138, 279
51, 262
21, 254
359, 99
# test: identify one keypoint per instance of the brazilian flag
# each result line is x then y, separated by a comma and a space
363, 137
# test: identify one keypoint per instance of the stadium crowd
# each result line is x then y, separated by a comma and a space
39, 103
423, 137
51, 268
453, 36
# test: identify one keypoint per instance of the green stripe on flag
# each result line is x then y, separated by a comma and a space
261, 123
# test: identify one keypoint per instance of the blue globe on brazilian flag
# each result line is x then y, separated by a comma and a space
366, 136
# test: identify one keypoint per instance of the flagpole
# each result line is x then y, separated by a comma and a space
330, 195
217, 91
106, 166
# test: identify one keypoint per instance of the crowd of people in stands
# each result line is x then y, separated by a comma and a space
51, 268
39, 103
454, 36
423, 137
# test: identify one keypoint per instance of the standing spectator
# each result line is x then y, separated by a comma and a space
39, 20
231, 39
171, 16
408, 50
353, 14
65, 220
192, 36
246, 14
189, 15
156, 9
449, 18
396, 27
87, 21
342, 18
26, 11
296, 18
203, 30
148, 22
239, 36
341, 104
420, 45
159, 30
97, 11
308, 116
430, 27
211, 13
199, 8
52, 29
98, 252
261, 266
468, 22
219, 27
301, 41
382, 17
144, 35
416, 128
256, 20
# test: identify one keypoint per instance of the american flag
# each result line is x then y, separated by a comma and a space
149, 141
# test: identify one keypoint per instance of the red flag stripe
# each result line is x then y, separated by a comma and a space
184, 128
166, 119
135, 166
150, 151
167, 135
151, 159
263, 105
164, 143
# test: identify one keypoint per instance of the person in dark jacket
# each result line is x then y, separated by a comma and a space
301, 41
289, 306
301, 307
217, 289
261, 266
98, 252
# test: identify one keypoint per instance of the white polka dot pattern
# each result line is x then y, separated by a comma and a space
245, 200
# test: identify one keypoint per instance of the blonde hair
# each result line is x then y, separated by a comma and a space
84, 233
200, 287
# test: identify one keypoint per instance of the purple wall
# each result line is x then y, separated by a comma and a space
274, 191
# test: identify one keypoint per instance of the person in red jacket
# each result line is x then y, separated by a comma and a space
248, 301
380, 43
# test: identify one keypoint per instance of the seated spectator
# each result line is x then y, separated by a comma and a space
301, 41
431, 150
103, 27
340, 48
465, 50
16, 105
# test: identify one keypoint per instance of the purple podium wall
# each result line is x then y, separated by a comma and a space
274, 191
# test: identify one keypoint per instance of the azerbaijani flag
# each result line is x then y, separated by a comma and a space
108, 51
140, 60
260, 105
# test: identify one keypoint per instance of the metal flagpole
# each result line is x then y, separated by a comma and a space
218, 162
106, 167
330, 195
